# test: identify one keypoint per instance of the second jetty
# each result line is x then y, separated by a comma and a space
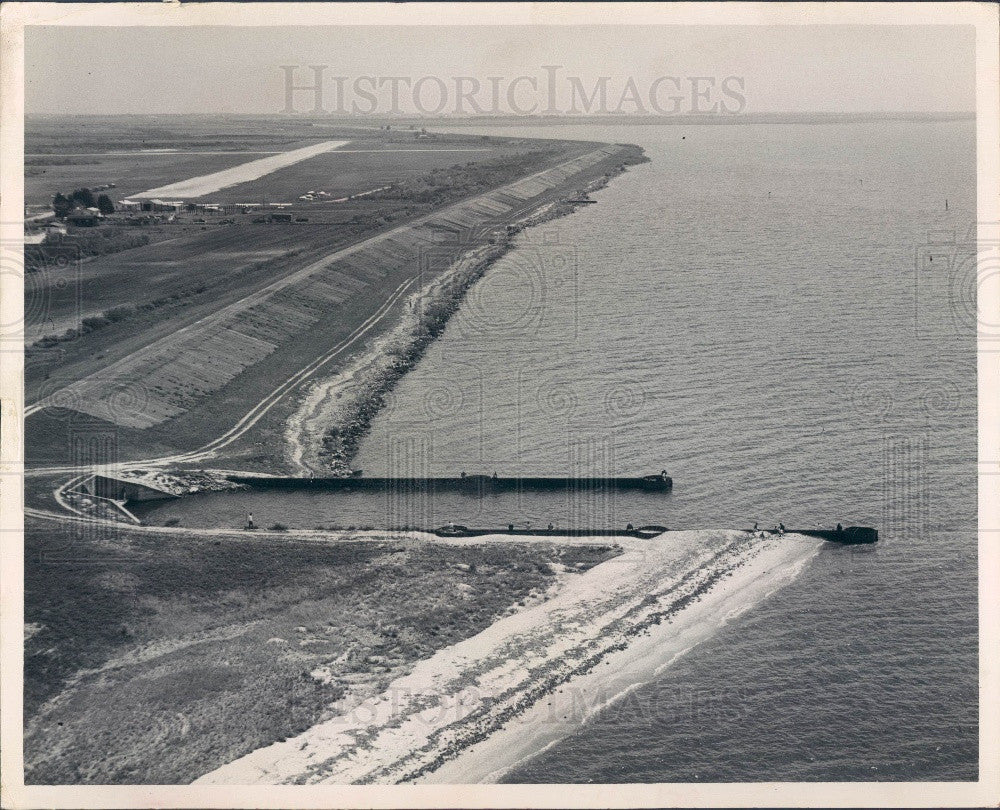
659, 482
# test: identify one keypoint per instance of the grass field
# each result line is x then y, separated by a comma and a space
55, 134
184, 260
153, 659
362, 166
169, 344
131, 173
63, 154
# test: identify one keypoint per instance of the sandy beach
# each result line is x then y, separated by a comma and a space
479, 707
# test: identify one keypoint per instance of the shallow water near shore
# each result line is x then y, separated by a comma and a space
411, 507
472, 709
754, 311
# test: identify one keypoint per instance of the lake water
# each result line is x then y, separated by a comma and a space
779, 316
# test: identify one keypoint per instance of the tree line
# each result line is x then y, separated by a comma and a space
81, 198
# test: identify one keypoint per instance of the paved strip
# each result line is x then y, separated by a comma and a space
186, 152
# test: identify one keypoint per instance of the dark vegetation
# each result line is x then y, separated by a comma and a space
172, 655
463, 180
81, 198
53, 252
125, 312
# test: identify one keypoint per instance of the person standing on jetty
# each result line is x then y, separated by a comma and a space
250, 525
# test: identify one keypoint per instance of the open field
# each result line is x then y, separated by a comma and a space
359, 167
199, 186
196, 329
54, 134
186, 259
141, 153
67, 153
130, 172
155, 658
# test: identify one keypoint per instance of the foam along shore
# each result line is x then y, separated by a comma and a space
244, 173
476, 709
346, 402
336, 412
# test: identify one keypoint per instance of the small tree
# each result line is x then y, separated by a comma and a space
84, 197
104, 204
61, 204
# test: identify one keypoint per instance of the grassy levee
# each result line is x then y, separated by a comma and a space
188, 386
188, 268
154, 658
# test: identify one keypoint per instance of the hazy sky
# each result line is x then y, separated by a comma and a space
238, 70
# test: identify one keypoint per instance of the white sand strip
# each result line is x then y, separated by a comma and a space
477, 708
327, 400
245, 172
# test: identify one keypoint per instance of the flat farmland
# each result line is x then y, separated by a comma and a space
341, 173
152, 271
184, 276
45, 175
94, 133
139, 153
357, 168
184, 335
142, 153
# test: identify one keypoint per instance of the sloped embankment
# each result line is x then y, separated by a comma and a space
182, 370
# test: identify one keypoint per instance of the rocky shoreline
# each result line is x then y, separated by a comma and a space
362, 390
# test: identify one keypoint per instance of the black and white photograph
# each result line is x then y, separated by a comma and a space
511, 405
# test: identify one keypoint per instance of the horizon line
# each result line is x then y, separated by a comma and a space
487, 116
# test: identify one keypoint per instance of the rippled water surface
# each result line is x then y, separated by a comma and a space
780, 317
757, 311
746, 311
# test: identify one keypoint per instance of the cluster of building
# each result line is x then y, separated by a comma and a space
84, 217
153, 206
158, 206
